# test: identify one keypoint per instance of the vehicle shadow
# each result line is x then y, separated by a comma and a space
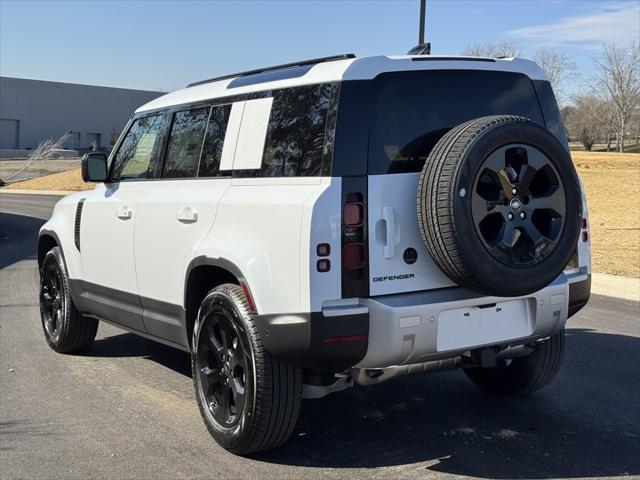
131, 345
18, 238
584, 424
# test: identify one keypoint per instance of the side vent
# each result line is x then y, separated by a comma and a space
76, 228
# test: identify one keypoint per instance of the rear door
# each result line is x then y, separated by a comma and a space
410, 112
176, 213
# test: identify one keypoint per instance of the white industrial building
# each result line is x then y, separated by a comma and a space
35, 110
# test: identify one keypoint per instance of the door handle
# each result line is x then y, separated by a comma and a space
124, 213
187, 215
389, 250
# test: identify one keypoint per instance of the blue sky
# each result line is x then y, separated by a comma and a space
163, 45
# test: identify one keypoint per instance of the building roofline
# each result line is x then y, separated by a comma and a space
82, 84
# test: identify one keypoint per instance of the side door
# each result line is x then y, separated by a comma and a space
176, 213
106, 240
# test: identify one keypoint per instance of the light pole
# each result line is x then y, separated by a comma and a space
423, 48
423, 8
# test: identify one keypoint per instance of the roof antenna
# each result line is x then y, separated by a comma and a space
422, 48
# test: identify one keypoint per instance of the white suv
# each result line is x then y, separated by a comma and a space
302, 228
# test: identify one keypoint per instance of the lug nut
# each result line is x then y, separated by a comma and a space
522, 215
514, 191
510, 216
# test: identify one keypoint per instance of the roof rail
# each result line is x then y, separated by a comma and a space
277, 67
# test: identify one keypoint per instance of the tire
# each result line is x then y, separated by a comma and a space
228, 348
523, 374
499, 206
66, 330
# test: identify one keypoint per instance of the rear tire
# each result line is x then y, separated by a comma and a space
249, 401
523, 374
65, 328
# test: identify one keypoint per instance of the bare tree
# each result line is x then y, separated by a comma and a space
586, 119
557, 66
500, 49
43, 151
618, 77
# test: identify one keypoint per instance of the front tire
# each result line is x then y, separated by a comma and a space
65, 328
523, 374
249, 401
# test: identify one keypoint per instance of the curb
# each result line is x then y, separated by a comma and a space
19, 191
626, 288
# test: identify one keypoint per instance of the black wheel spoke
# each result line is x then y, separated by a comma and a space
538, 239
518, 205
525, 176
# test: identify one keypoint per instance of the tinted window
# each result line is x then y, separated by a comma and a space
214, 140
133, 160
413, 110
552, 117
185, 143
295, 139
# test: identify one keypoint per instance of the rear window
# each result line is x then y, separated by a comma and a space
413, 110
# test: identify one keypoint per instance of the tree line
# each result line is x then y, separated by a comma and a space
606, 108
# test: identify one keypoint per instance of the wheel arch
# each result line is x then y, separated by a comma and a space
203, 274
47, 239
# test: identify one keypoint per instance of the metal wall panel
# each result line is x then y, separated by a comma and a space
49, 109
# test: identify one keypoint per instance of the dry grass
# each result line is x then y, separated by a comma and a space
70, 180
612, 183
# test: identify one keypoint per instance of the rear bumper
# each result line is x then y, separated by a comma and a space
416, 327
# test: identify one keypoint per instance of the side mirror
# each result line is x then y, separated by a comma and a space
94, 167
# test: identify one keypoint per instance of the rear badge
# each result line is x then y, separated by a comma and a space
394, 277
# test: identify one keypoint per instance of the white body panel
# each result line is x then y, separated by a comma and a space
393, 227
172, 219
106, 233
259, 229
253, 130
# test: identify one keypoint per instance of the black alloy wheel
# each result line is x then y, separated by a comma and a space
249, 400
52, 298
223, 359
518, 205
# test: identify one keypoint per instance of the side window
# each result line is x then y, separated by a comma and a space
133, 160
185, 143
295, 139
213, 141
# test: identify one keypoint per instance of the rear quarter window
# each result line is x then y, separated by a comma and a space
411, 111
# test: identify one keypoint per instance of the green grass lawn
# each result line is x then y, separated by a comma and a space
600, 147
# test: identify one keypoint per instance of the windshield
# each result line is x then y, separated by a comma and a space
413, 110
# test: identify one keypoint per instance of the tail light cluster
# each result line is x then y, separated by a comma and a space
354, 245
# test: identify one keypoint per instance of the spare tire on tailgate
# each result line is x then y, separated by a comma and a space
499, 205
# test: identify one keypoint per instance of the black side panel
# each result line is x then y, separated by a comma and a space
165, 320
302, 339
352, 129
579, 294
119, 307
550, 111
76, 228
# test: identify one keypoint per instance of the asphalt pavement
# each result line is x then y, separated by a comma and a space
125, 408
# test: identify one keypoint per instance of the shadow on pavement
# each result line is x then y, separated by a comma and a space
131, 345
18, 238
584, 424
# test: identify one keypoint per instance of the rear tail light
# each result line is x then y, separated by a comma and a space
353, 256
355, 281
353, 214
